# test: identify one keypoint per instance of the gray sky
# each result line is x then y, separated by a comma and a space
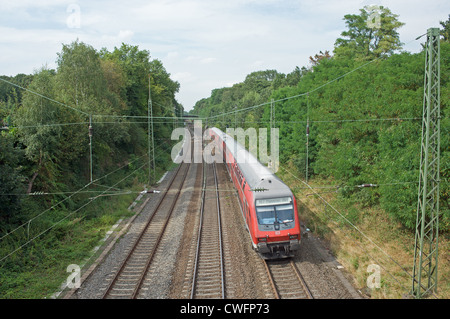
203, 44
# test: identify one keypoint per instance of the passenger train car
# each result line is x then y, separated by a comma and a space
268, 206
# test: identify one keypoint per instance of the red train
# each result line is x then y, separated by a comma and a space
268, 206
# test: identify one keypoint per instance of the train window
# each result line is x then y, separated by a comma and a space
275, 211
285, 213
266, 215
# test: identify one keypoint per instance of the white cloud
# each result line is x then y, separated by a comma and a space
121, 36
183, 77
208, 60
172, 55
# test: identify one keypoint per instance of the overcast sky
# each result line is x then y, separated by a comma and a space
203, 44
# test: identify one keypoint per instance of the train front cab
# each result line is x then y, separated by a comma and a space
278, 231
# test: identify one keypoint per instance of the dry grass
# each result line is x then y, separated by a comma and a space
362, 237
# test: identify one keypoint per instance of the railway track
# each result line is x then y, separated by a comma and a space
128, 280
286, 280
208, 273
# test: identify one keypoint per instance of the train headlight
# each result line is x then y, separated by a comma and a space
262, 239
293, 236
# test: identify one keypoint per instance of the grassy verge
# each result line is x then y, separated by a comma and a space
361, 237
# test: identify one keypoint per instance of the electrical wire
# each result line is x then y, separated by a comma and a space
337, 187
45, 97
43, 125
220, 121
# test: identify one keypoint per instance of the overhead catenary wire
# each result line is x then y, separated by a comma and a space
45, 97
42, 125
297, 95
259, 122
60, 193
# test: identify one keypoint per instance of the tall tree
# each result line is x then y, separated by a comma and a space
80, 74
35, 118
135, 64
10, 179
89, 85
366, 38
445, 32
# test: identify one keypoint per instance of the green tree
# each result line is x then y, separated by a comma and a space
10, 178
91, 86
82, 79
366, 39
445, 32
11, 93
135, 64
35, 118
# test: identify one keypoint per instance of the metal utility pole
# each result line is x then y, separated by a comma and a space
307, 138
271, 115
427, 225
90, 143
151, 141
174, 117
272, 124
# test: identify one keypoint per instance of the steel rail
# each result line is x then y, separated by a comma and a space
158, 240
220, 231
301, 280
297, 274
271, 280
142, 233
199, 236
197, 252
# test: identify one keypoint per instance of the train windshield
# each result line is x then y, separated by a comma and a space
275, 211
